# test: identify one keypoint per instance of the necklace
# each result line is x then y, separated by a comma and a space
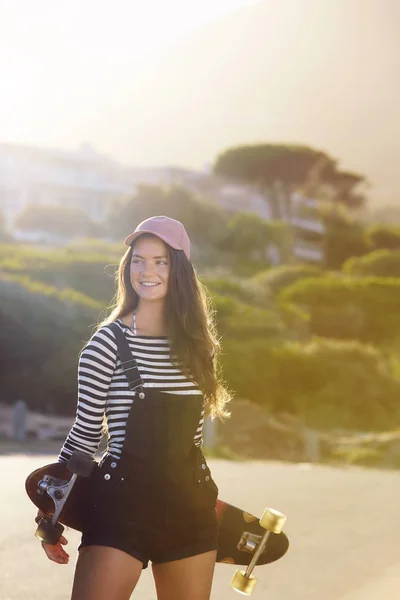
141, 392
134, 323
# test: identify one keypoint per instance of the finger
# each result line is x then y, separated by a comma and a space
39, 516
55, 552
62, 560
64, 555
62, 552
42, 515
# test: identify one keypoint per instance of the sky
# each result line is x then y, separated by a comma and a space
178, 82
57, 56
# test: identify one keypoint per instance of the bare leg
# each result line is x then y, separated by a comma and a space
104, 573
186, 578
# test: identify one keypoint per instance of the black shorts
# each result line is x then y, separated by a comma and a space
127, 509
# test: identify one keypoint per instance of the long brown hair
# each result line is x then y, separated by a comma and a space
191, 328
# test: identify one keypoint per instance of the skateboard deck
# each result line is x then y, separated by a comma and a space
239, 530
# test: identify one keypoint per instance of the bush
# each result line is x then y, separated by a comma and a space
380, 263
344, 241
372, 301
42, 330
90, 274
341, 322
237, 289
246, 290
380, 237
238, 320
330, 384
275, 279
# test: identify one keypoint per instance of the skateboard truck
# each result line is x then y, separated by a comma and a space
248, 542
49, 529
272, 521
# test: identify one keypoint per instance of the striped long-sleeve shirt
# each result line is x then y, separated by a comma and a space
103, 388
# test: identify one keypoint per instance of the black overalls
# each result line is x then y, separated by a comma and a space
157, 502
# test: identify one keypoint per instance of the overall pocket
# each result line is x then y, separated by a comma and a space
205, 488
106, 494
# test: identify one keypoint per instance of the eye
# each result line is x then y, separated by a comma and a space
162, 262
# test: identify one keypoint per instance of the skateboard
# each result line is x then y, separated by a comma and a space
247, 540
243, 538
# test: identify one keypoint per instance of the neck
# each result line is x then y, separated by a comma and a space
150, 318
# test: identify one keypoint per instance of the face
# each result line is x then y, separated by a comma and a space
150, 267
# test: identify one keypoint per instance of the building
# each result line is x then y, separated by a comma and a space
82, 179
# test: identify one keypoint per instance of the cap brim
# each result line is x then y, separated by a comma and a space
136, 234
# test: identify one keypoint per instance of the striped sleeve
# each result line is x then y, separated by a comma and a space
96, 367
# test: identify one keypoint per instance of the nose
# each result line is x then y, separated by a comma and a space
147, 268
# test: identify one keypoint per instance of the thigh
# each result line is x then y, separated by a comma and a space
105, 573
185, 578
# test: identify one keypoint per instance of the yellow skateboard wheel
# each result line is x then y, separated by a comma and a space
242, 584
273, 520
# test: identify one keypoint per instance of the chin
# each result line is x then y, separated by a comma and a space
151, 298
151, 295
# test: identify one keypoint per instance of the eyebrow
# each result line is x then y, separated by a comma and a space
138, 256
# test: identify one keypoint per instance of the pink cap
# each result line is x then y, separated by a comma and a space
169, 230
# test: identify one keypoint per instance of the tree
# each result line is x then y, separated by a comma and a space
246, 234
266, 163
292, 165
344, 183
203, 220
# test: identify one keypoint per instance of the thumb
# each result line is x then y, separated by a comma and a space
63, 540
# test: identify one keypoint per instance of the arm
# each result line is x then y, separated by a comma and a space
95, 370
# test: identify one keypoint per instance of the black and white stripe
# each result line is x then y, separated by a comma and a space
103, 388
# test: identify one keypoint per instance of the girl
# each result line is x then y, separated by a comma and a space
151, 497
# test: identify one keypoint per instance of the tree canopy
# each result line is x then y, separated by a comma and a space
267, 163
294, 165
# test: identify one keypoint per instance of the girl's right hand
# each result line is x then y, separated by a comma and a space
55, 552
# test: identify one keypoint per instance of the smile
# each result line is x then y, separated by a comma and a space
148, 284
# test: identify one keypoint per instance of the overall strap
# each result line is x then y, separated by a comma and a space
128, 361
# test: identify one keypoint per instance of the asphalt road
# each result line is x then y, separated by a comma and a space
343, 525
